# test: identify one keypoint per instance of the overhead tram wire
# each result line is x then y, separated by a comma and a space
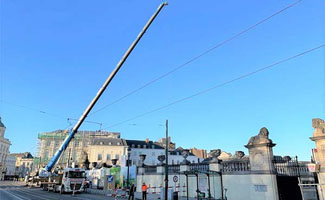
197, 57
220, 85
47, 113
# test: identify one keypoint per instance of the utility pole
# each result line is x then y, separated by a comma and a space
166, 166
69, 157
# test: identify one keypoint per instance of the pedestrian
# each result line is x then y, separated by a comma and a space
131, 192
144, 191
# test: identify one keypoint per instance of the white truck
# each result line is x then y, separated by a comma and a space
67, 180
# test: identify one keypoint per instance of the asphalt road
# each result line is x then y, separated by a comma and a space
17, 191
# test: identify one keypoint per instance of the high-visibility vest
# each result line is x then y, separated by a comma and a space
144, 188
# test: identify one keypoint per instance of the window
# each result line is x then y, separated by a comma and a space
73, 174
46, 154
108, 157
117, 156
99, 157
56, 142
48, 143
76, 143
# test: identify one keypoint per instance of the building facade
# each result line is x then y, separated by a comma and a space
4, 150
104, 150
49, 143
200, 153
152, 150
24, 164
10, 165
144, 147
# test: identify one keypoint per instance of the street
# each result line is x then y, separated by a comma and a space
17, 191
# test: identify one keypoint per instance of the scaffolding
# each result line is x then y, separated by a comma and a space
49, 142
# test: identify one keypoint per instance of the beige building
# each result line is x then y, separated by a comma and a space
200, 153
103, 150
23, 164
49, 143
4, 150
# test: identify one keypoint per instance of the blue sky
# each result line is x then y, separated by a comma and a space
55, 55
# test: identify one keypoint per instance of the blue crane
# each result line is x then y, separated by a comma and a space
74, 130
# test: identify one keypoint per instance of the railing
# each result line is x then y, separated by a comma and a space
150, 169
173, 168
201, 167
291, 167
236, 166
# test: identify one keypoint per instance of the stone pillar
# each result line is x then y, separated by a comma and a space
319, 153
261, 153
261, 162
214, 164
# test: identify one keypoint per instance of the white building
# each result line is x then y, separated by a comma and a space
175, 157
152, 151
4, 150
10, 165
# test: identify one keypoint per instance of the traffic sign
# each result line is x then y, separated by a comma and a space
175, 179
110, 178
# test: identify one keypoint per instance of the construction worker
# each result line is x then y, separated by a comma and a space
132, 191
144, 191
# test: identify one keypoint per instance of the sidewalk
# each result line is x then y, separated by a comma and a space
137, 196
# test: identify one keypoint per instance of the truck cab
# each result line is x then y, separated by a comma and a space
72, 180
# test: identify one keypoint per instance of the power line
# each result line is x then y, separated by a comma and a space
220, 85
196, 57
47, 113
33, 109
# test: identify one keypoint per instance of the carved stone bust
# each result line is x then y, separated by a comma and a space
319, 126
239, 154
261, 138
215, 153
161, 159
185, 154
142, 158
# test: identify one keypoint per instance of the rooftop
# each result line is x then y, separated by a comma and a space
108, 141
142, 144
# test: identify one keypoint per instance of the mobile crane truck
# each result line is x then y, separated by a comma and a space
72, 179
